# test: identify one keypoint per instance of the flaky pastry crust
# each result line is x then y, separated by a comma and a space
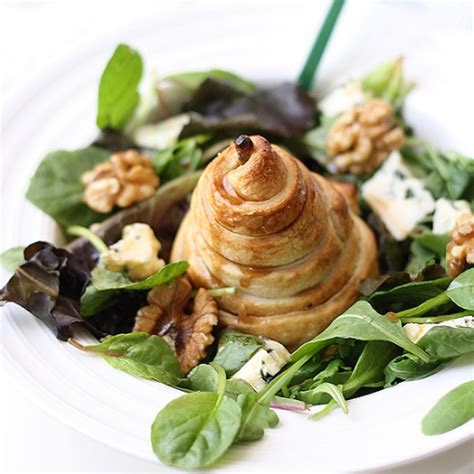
285, 237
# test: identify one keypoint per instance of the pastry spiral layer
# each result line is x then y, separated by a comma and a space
283, 236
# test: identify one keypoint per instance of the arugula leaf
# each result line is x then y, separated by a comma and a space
360, 322
452, 410
407, 367
461, 290
12, 258
180, 159
335, 393
447, 175
141, 355
118, 88
56, 186
106, 284
235, 349
196, 429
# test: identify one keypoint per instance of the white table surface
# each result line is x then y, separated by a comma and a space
34, 35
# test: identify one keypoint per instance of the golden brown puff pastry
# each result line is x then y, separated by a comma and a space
284, 236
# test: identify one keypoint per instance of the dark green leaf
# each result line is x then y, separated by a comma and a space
140, 354
407, 367
93, 300
410, 294
104, 279
452, 410
235, 349
370, 366
56, 186
461, 290
12, 258
118, 88
360, 322
106, 284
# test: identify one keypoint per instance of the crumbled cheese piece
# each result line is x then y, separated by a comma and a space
399, 199
161, 135
342, 98
263, 365
415, 331
136, 255
446, 213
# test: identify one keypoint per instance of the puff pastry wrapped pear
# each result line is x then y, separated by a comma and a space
284, 236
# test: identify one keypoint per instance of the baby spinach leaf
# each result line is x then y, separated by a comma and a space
370, 366
49, 285
360, 322
104, 279
203, 378
106, 284
256, 418
56, 186
407, 367
118, 88
410, 294
141, 355
235, 349
461, 290
12, 258
444, 342
452, 410
196, 429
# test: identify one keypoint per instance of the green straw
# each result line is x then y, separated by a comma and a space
308, 73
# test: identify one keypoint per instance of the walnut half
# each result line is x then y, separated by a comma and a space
361, 138
460, 250
188, 334
127, 178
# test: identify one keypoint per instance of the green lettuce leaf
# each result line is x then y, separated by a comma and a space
57, 190
118, 88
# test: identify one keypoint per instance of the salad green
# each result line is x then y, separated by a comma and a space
409, 322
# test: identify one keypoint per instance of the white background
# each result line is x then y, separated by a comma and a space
36, 35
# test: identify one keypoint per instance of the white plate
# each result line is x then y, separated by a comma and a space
56, 110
